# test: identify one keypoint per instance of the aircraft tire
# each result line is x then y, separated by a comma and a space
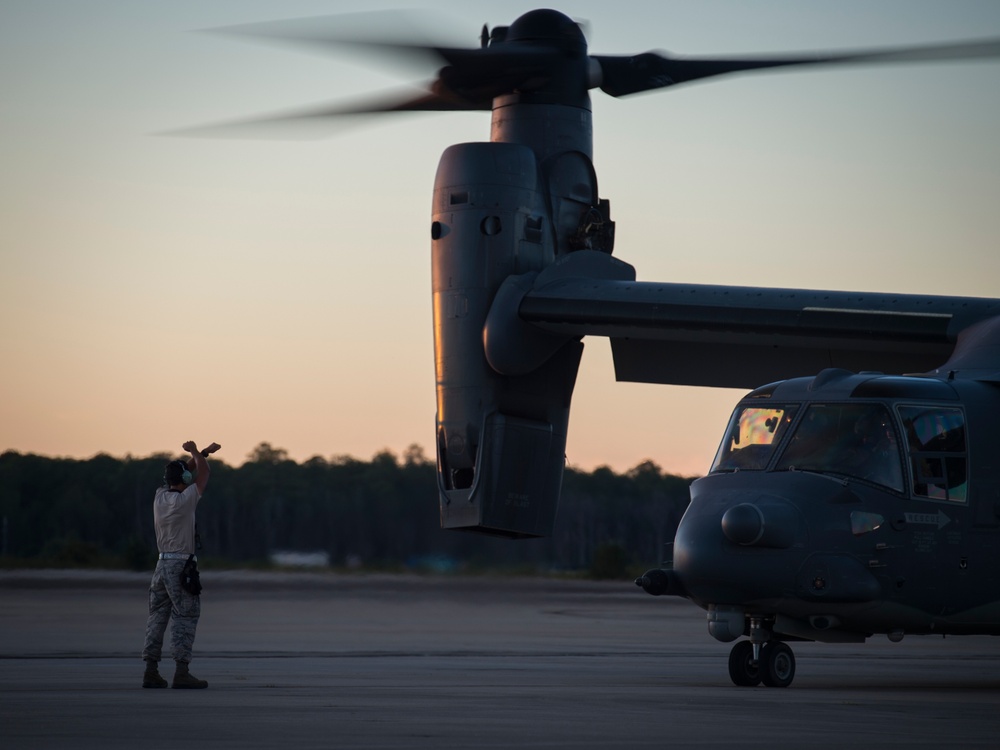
743, 671
777, 664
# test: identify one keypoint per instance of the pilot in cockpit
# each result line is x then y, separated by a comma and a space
875, 456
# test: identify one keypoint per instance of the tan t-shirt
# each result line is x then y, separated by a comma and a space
173, 519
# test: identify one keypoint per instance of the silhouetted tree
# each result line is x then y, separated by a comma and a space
383, 511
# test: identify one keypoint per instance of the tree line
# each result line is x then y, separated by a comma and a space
377, 513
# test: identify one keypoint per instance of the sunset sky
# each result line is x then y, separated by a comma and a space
155, 289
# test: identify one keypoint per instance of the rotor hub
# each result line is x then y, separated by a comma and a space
548, 28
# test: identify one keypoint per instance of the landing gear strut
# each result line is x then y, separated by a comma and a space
761, 659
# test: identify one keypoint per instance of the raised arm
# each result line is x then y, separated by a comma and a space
201, 467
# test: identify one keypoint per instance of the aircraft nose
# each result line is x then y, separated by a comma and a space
737, 544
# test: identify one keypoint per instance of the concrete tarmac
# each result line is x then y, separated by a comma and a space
316, 660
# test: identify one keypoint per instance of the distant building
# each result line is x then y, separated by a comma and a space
288, 559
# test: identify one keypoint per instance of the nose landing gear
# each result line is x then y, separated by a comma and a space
761, 660
774, 665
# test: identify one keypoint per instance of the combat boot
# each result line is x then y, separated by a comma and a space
151, 678
184, 679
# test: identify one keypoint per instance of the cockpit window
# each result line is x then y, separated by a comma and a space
753, 434
854, 440
935, 437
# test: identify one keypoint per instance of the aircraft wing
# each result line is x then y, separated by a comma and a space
742, 337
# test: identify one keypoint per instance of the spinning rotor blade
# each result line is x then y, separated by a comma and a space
393, 39
621, 76
469, 80
539, 54
470, 77
321, 120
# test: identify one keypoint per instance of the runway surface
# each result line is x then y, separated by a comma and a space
314, 660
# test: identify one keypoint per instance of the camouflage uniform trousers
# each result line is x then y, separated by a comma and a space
168, 600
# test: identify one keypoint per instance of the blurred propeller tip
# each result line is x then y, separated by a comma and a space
292, 128
315, 122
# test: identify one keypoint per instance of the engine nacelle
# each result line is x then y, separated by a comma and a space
501, 438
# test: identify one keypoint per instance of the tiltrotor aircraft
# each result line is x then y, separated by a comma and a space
855, 492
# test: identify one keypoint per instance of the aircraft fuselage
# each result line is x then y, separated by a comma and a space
846, 505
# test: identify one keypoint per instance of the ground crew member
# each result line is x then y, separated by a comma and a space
173, 518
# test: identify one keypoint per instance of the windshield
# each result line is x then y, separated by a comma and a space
753, 434
855, 440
